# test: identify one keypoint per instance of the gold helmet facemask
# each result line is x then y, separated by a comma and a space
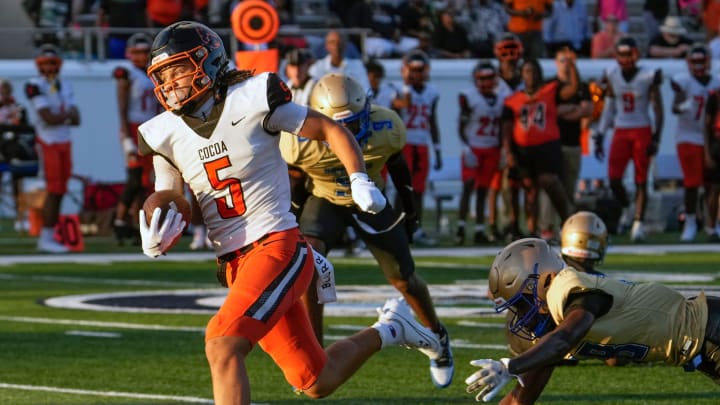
518, 281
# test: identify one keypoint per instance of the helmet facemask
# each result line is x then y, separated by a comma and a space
358, 123
530, 315
343, 99
173, 95
519, 279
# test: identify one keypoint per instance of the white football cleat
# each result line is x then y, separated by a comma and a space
637, 234
404, 330
442, 366
689, 229
51, 246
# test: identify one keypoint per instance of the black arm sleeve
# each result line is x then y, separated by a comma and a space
400, 174
596, 302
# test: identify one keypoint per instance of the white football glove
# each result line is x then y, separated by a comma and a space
469, 157
490, 379
365, 194
157, 239
685, 106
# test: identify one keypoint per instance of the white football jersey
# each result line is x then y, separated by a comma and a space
301, 95
632, 99
690, 123
237, 174
385, 95
142, 104
57, 97
417, 116
483, 129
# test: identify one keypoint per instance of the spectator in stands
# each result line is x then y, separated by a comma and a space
567, 26
336, 61
712, 162
382, 41
654, 13
381, 92
692, 90
161, 13
120, 13
526, 21
479, 129
636, 135
711, 17
417, 106
603, 42
450, 39
531, 138
136, 104
52, 17
415, 18
672, 41
484, 21
617, 8
578, 107
53, 101
13, 115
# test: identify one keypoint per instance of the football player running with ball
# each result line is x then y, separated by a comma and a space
589, 316
220, 136
330, 209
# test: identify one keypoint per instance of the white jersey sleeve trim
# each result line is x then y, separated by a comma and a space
288, 117
167, 176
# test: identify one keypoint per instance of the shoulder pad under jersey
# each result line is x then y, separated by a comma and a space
32, 90
278, 92
120, 73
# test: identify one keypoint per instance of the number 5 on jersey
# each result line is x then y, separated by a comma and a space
237, 200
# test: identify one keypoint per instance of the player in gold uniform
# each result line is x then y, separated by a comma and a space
330, 209
589, 316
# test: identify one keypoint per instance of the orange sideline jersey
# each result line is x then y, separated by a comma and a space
534, 117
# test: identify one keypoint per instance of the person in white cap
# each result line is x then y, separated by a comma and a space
672, 41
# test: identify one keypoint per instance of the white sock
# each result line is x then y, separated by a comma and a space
199, 231
47, 234
480, 228
461, 223
690, 218
389, 333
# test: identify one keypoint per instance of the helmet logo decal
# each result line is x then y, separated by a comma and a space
159, 58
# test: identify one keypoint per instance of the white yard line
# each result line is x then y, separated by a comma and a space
99, 324
117, 394
423, 252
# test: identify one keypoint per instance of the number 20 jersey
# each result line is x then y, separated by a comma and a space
237, 173
329, 177
632, 98
647, 321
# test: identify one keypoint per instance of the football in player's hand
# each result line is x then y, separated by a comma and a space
166, 199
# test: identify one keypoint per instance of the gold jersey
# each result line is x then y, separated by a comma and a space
329, 177
647, 321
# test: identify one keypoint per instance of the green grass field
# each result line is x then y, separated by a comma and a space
75, 356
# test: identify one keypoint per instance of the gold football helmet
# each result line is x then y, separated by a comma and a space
518, 281
584, 236
343, 99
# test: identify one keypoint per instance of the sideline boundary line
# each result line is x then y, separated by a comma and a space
423, 252
118, 394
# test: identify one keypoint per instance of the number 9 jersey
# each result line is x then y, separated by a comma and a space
632, 97
329, 177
